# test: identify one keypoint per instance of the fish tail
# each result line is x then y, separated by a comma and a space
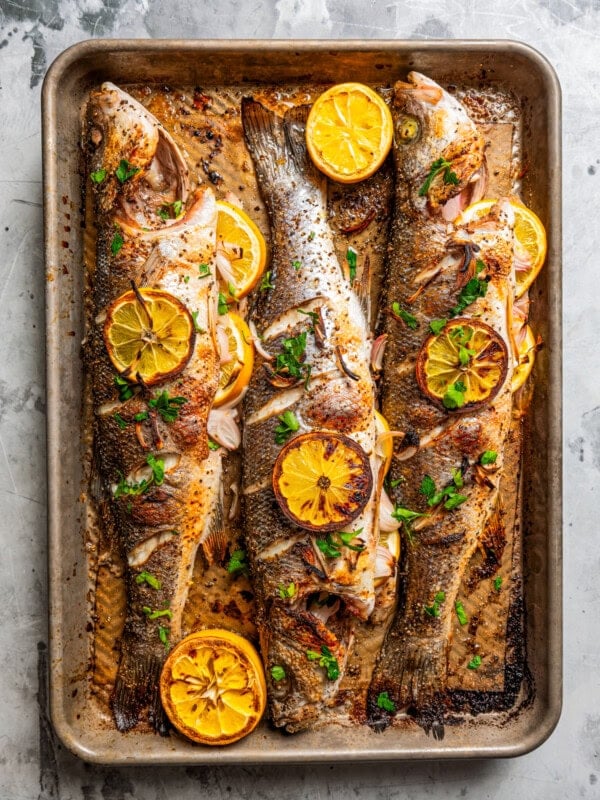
418, 676
295, 134
137, 688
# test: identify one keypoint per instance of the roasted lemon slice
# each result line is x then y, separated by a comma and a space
349, 132
530, 235
527, 350
149, 335
213, 687
322, 481
464, 366
242, 244
235, 374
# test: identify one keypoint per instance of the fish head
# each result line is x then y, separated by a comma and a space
439, 151
135, 163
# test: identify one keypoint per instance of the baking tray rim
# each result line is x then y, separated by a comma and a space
551, 715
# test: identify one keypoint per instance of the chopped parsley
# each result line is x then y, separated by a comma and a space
434, 609
455, 396
297, 265
213, 445
437, 325
120, 421
288, 424
125, 171
460, 612
204, 270
449, 493
237, 562
277, 673
98, 176
331, 545
287, 592
327, 660
311, 236
351, 259
488, 457
124, 488
167, 407
291, 360
163, 612
117, 241
439, 165
384, 701
157, 465
223, 306
147, 577
405, 316
266, 282
474, 663
473, 289
497, 583
163, 635
406, 517
232, 290
171, 210
197, 327
140, 416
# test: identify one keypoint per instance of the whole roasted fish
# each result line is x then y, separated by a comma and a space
307, 595
448, 456
160, 483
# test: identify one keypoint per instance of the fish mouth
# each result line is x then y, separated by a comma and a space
145, 175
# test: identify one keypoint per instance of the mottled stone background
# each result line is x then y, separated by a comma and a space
32, 33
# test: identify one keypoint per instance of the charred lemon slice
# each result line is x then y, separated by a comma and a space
241, 243
349, 132
213, 687
236, 372
322, 481
149, 335
464, 366
527, 349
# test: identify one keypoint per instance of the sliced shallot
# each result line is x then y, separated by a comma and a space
223, 428
387, 523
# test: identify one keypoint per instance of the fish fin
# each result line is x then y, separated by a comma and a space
214, 543
137, 688
418, 676
265, 137
295, 134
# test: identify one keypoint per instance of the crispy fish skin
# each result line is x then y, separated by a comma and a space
306, 275
158, 530
426, 268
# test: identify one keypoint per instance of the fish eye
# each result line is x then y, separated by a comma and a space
408, 129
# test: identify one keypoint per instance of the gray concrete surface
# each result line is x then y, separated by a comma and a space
32, 33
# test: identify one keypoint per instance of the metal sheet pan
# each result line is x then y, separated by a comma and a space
506, 64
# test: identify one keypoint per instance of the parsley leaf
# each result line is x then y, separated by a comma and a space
288, 424
497, 583
120, 421
163, 612
384, 701
266, 282
437, 325
98, 176
291, 360
287, 592
351, 259
167, 407
204, 270
140, 416
439, 165
125, 171
331, 545
474, 663
455, 396
327, 660
297, 265
434, 609
277, 673
197, 327
237, 562
147, 577
427, 487
488, 457
474, 288
117, 241
223, 306
405, 316
213, 445
460, 612
124, 488
157, 465
163, 635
